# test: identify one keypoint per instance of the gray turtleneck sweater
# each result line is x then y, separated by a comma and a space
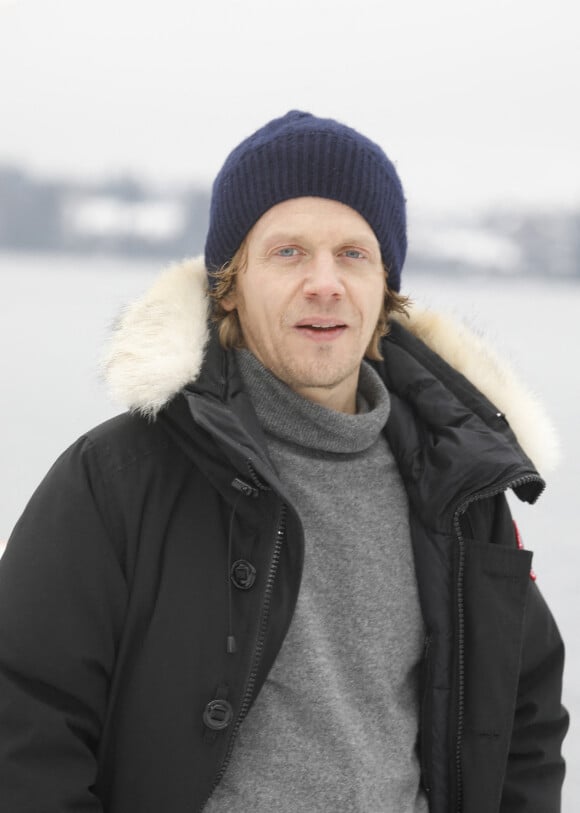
335, 725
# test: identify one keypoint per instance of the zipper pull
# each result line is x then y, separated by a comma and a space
245, 488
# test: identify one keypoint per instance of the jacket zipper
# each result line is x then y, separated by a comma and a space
278, 541
255, 479
462, 508
426, 714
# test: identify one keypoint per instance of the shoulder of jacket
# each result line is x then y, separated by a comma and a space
122, 442
472, 354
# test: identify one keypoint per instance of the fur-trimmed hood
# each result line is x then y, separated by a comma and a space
159, 342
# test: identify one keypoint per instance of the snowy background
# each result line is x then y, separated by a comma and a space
476, 102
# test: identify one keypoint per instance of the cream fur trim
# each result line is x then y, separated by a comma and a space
158, 346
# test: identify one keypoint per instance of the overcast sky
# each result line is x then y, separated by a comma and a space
476, 102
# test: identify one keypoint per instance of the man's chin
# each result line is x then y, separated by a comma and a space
321, 377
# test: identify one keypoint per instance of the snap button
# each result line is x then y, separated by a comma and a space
218, 714
243, 574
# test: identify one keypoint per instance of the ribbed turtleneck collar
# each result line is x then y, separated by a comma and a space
294, 419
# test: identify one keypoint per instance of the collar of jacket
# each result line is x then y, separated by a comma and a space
161, 341
452, 444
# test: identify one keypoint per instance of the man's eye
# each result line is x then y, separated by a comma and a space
353, 254
287, 251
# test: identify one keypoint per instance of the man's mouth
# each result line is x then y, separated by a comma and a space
321, 328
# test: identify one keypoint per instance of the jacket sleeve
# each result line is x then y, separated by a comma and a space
535, 768
62, 602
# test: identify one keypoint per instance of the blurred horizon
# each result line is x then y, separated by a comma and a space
127, 216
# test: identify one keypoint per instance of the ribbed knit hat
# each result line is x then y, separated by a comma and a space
299, 155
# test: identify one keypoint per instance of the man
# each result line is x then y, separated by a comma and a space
288, 579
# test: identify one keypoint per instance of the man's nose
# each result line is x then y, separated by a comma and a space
323, 277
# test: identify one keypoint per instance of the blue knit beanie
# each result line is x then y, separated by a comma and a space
300, 155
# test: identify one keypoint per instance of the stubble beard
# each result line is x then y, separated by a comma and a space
322, 372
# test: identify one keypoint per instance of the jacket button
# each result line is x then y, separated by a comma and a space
218, 715
243, 574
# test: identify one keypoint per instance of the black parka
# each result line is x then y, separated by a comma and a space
126, 581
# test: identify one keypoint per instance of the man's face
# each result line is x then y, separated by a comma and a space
310, 297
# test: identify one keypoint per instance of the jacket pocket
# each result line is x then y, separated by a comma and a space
496, 586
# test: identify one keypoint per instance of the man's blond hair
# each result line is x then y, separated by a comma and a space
229, 328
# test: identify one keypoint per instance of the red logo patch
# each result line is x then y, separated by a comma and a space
520, 544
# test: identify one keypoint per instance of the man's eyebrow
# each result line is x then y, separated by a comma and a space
360, 240
284, 237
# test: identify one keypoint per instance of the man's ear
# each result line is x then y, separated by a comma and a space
229, 302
